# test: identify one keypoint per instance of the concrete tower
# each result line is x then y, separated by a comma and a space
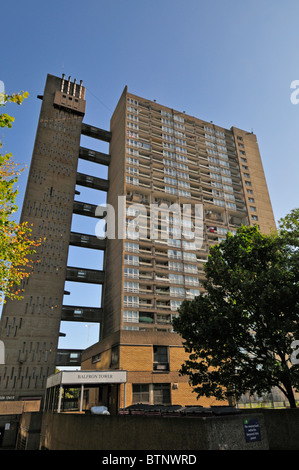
30, 327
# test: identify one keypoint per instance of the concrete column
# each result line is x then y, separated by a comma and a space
81, 397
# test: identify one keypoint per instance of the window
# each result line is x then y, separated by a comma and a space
168, 137
254, 217
131, 316
167, 129
167, 121
218, 202
132, 171
132, 125
175, 266
191, 293
251, 199
183, 158
231, 205
162, 394
225, 179
130, 259
174, 254
189, 246
161, 362
190, 268
114, 356
174, 242
169, 171
215, 176
132, 110
176, 278
175, 304
165, 113
132, 247
169, 189
96, 358
191, 280
184, 184
190, 256
178, 118
222, 230
213, 160
140, 393
231, 197
224, 171
183, 192
131, 117
168, 154
177, 291
132, 180
169, 162
169, 180
253, 209
130, 286
130, 301
132, 134
169, 146
133, 273
132, 101
78, 312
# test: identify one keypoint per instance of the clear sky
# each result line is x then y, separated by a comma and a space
227, 61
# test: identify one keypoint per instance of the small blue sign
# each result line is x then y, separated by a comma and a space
252, 430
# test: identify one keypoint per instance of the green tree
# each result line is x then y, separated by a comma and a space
16, 243
239, 333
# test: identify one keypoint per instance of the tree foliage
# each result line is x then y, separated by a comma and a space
16, 242
239, 333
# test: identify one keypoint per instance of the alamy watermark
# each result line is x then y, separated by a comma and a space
155, 222
2, 92
295, 94
294, 359
2, 353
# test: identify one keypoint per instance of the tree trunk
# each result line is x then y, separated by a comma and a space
290, 394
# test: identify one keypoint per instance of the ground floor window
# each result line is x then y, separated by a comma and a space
140, 393
154, 394
162, 394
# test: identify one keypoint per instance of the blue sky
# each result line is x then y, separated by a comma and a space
227, 61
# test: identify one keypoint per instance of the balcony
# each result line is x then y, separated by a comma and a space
145, 317
160, 277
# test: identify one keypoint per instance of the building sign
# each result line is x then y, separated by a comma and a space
86, 377
252, 430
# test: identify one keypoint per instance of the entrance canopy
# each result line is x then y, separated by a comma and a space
79, 379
